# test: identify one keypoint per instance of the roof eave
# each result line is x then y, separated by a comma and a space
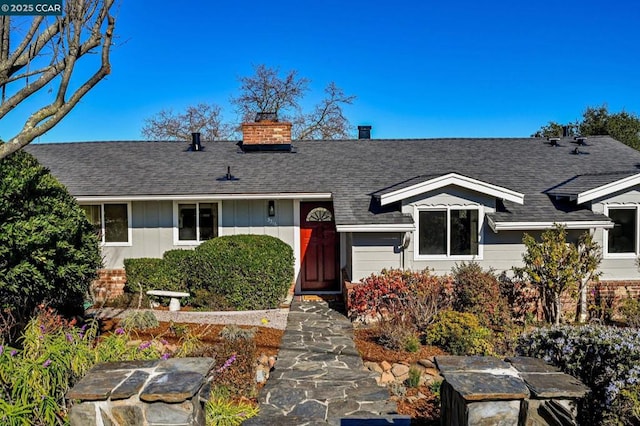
452, 179
610, 188
390, 227
178, 197
541, 226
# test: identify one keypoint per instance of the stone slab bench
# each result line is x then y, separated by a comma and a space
174, 304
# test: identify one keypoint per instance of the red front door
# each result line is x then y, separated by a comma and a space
319, 251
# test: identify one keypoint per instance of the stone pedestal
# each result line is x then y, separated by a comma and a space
518, 391
149, 393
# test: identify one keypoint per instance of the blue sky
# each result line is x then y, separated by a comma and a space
418, 68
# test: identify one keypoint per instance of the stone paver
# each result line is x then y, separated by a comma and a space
320, 378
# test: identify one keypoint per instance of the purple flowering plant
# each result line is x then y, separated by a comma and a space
227, 363
607, 359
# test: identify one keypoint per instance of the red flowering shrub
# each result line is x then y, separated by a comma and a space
400, 297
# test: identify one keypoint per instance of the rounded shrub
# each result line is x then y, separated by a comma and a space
460, 333
249, 271
168, 273
479, 292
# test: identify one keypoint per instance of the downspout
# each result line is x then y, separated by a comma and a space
406, 240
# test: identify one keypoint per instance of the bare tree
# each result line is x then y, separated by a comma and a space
327, 120
266, 91
47, 54
203, 118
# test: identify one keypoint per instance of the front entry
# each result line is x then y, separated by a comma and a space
319, 247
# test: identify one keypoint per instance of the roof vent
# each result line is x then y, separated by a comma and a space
580, 140
228, 176
364, 132
196, 145
553, 141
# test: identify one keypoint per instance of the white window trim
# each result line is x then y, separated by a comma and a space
605, 237
103, 243
176, 239
416, 241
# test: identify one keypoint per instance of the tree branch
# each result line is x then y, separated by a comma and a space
79, 14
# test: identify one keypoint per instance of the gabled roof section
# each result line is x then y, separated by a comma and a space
542, 212
588, 187
422, 184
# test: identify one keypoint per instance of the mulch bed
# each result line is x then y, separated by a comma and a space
366, 342
267, 339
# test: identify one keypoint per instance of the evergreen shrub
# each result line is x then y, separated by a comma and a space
249, 271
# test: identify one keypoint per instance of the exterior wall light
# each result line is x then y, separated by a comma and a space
271, 209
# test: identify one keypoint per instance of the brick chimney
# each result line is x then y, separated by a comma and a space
266, 131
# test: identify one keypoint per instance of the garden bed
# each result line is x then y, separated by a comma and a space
267, 339
421, 403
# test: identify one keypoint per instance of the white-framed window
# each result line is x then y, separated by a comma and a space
112, 222
195, 221
622, 240
448, 232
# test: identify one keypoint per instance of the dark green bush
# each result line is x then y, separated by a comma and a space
206, 300
478, 292
49, 252
167, 273
142, 272
460, 334
250, 271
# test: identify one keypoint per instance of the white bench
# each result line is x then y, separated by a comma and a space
174, 304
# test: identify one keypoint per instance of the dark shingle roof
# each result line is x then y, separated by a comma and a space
352, 170
582, 183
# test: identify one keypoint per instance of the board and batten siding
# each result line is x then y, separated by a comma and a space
372, 252
151, 233
152, 227
616, 269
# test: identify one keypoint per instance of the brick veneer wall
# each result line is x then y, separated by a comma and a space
110, 284
266, 132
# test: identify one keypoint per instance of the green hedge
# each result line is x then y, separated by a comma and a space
168, 273
241, 272
249, 271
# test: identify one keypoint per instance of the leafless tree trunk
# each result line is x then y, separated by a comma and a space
46, 56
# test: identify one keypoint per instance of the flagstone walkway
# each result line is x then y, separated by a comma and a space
319, 377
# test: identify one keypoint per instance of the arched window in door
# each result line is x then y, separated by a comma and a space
319, 214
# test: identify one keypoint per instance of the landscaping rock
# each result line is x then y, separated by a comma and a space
374, 366
427, 363
385, 366
385, 378
400, 370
